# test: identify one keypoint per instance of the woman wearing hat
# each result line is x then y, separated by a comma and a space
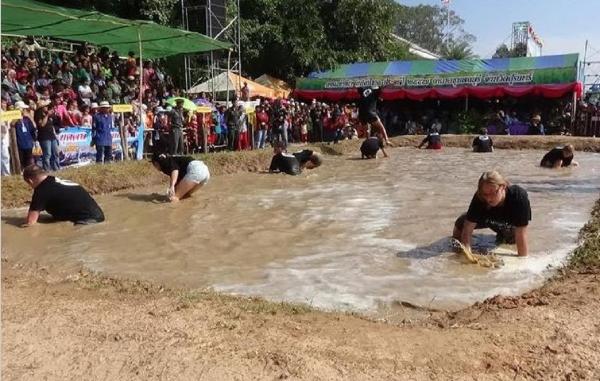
186, 175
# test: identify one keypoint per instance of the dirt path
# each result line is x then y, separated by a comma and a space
86, 327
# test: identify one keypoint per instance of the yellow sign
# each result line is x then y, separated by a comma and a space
122, 108
203, 110
9, 116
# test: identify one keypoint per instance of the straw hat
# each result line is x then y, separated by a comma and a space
94, 105
104, 104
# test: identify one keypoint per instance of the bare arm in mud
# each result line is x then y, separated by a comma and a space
521, 240
467, 233
384, 153
32, 218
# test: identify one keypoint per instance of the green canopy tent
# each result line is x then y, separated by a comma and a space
33, 18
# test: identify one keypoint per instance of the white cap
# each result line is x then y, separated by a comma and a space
21, 105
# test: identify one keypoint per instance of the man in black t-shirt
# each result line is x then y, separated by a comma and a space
64, 200
483, 143
367, 111
283, 161
497, 205
559, 157
370, 146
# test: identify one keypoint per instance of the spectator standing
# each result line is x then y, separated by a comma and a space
25, 131
262, 121
48, 124
102, 124
245, 92
177, 122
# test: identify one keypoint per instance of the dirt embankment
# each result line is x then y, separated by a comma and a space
132, 174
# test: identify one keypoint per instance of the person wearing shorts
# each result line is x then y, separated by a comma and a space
433, 141
186, 175
367, 111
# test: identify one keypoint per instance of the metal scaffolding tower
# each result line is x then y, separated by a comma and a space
209, 17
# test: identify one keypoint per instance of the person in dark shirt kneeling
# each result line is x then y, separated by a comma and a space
559, 157
483, 142
500, 206
64, 200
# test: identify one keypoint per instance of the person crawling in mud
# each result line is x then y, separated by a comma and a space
370, 146
500, 206
64, 200
292, 164
186, 174
559, 157
433, 140
308, 159
483, 142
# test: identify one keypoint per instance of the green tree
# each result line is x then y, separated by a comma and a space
456, 51
288, 38
426, 25
502, 51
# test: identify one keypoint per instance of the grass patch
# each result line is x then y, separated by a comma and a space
587, 254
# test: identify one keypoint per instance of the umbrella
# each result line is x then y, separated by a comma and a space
202, 102
187, 104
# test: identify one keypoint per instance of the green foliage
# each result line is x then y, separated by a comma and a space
457, 51
426, 25
287, 38
470, 122
503, 51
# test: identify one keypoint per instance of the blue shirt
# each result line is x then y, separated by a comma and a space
101, 129
25, 133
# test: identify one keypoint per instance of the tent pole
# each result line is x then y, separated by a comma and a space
574, 111
140, 148
228, 63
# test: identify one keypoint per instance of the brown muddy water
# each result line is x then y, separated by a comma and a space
351, 235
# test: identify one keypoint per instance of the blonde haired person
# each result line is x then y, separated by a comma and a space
559, 157
500, 206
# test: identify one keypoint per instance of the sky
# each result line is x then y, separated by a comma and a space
563, 25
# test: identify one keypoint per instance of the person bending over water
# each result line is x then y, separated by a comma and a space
370, 147
483, 143
308, 159
186, 175
559, 157
433, 140
284, 162
64, 200
500, 206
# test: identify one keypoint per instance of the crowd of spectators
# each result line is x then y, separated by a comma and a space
56, 89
